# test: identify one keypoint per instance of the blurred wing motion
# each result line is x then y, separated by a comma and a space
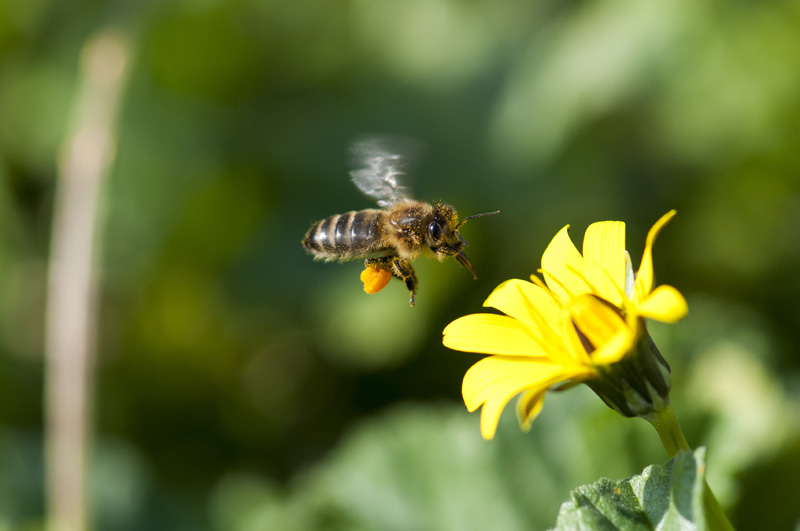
379, 164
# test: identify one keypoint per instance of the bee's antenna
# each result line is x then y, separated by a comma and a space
476, 216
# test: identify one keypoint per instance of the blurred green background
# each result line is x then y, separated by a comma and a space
243, 386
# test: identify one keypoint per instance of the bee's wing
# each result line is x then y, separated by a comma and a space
379, 164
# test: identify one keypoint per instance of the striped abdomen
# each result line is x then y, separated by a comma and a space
346, 236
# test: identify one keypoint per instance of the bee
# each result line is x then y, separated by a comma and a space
403, 229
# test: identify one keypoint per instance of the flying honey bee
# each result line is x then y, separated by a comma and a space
403, 229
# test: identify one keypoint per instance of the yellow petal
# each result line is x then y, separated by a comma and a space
644, 278
524, 301
608, 335
604, 257
576, 352
563, 266
560, 347
491, 334
664, 304
493, 381
615, 348
529, 405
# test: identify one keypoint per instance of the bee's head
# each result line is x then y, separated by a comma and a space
443, 237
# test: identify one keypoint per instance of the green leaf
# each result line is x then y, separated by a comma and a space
661, 497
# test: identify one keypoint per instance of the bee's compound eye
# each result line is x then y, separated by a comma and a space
435, 230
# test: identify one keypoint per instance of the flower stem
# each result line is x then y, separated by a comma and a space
715, 516
666, 424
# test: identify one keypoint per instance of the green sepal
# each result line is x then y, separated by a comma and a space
638, 385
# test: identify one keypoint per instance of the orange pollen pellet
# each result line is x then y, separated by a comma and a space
375, 279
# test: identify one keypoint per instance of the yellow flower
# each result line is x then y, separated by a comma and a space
586, 316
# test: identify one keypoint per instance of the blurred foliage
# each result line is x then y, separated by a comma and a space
424, 466
236, 374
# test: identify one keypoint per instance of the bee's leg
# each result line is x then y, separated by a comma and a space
399, 268
402, 269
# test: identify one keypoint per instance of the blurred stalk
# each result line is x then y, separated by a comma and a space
669, 429
84, 161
